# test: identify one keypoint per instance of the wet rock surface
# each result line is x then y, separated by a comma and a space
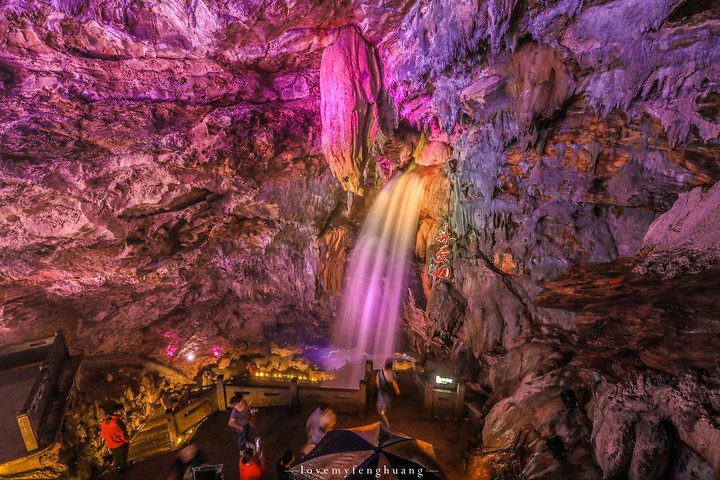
167, 188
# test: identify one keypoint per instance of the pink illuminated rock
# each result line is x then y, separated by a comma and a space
434, 153
350, 86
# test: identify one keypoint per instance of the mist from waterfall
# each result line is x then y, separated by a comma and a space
375, 282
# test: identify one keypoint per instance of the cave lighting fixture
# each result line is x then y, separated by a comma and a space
190, 357
171, 349
275, 375
402, 361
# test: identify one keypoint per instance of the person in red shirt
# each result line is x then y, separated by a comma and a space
115, 434
251, 466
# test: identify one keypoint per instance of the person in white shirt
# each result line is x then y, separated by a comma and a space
319, 423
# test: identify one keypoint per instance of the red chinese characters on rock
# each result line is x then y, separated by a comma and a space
445, 236
442, 271
439, 267
442, 254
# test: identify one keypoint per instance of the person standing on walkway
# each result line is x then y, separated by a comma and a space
319, 423
283, 464
207, 378
115, 434
240, 420
387, 388
190, 456
252, 466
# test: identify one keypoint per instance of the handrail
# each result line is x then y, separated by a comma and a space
195, 407
28, 345
196, 404
35, 408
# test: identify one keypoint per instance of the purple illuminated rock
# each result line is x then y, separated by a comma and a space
634, 424
350, 87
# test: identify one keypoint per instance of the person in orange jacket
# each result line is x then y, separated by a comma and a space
251, 466
115, 434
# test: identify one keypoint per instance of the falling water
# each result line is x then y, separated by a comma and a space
374, 286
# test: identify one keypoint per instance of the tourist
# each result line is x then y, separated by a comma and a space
283, 464
207, 378
387, 388
319, 423
251, 466
240, 420
188, 458
115, 434
166, 399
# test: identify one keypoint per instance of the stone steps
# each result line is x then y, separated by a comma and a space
149, 443
152, 440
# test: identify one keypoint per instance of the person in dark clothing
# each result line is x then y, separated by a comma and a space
387, 389
188, 458
115, 434
283, 464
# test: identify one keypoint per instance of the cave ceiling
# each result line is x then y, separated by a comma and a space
164, 174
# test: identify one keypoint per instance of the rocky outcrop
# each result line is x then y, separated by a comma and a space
652, 427
350, 93
656, 426
532, 414
433, 153
685, 239
158, 187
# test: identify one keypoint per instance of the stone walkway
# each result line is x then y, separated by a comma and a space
281, 431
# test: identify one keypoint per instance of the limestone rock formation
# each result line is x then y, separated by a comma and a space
644, 427
529, 416
685, 239
350, 91
434, 153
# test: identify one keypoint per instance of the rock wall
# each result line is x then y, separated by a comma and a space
575, 126
161, 179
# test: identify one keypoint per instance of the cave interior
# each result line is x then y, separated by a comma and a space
185, 182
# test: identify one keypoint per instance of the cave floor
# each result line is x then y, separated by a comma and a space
281, 431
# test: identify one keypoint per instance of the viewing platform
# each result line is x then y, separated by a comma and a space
36, 380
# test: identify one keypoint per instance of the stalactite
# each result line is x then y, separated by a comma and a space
350, 88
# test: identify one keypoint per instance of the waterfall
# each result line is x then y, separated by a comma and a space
375, 283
